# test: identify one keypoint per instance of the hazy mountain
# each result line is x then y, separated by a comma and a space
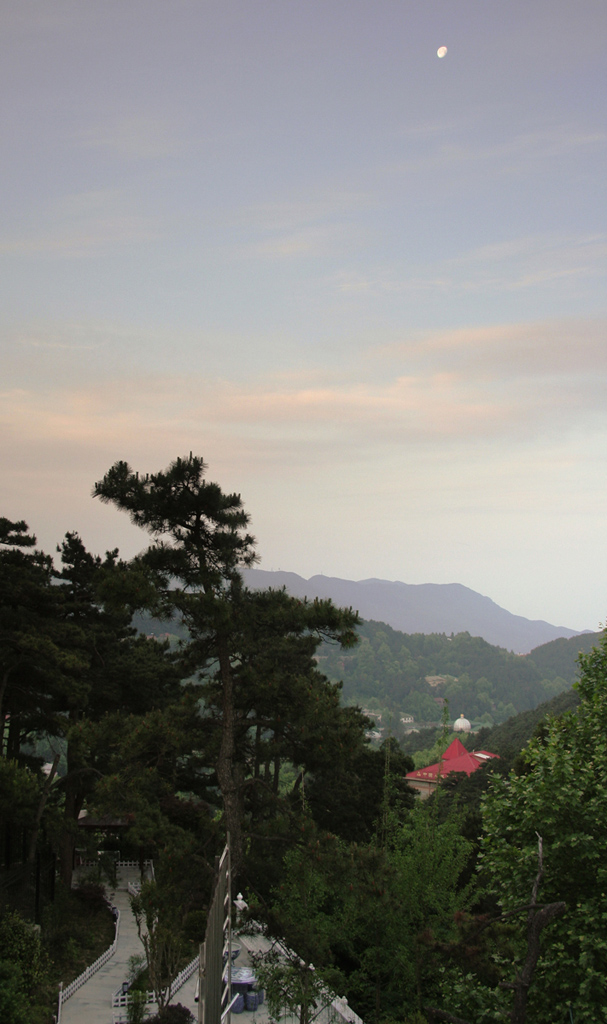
420, 608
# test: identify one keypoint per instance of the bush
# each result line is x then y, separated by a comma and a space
92, 894
136, 1007
175, 1013
14, 1005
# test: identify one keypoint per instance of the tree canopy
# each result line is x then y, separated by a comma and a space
561, 795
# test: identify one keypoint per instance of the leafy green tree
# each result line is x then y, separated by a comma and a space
296, 976
200, 544
23, 971
14, 1004
160, 927
118, 669
251, 649
349, 795
429, 857
37, 657
561, 794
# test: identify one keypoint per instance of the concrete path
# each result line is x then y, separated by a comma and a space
92, 1003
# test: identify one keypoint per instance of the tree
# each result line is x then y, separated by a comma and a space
348, 796
561, 794
200, 544
304, 916
23, 971
160, 927
38, 659
116, 667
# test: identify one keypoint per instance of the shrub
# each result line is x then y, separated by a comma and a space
175, 1013
92, 894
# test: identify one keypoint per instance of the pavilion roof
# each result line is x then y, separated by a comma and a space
455, 759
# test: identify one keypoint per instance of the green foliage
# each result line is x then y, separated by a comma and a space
24, 971
372, 919
562, 795
19, 792
295, 976
429, 857
291, 985
74, 933
20, 943
159, 918
348, 796
508, 739
136, 1006
390, 668
15, 1005
205, 525
172, 1014
252, 653
561, 657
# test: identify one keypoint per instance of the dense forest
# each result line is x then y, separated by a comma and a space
446, 910
388, 674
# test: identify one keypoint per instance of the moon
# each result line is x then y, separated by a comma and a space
442, 51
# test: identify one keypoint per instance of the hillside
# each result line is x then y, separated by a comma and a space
511, 736
559, 657
388, 673
419, 608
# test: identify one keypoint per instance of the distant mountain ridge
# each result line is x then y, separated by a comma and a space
420, 607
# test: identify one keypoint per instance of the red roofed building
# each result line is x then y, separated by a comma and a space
455, 759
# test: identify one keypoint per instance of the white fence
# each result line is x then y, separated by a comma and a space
339, 1012
65, 993
335, 1009
120, 1004
121, 1000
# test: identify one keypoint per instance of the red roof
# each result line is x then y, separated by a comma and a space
455, 749
455, 759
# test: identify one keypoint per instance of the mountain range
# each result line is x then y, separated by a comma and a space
419, 608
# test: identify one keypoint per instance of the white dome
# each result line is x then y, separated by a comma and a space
461, 724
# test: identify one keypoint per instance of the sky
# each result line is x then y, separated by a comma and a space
364, 283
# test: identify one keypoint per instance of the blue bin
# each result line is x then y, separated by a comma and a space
251, 1001
238, 1006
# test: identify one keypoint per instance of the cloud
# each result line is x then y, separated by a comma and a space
133, 138
314, 226
517, 264
569, 351
521, 152
474, 386
82, 224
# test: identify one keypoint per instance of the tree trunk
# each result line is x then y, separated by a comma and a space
41, 805
257, 768
276, 778
3, 686
226, 775
13, 743
536, 924
74, 800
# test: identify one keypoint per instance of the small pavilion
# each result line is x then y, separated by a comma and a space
455, 759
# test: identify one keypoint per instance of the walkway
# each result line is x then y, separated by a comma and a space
92, 1002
